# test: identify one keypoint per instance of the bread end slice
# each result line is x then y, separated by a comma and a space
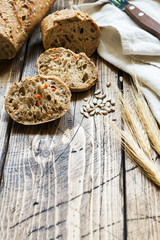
70, 29
37, 100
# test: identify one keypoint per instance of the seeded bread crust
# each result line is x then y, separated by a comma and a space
77, 71
70, 29
37, 100
17, 20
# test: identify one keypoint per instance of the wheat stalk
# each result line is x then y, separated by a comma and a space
130, 117
135, 139
147, 118
149, 123
136, 153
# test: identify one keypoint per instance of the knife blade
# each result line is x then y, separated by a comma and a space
141, 18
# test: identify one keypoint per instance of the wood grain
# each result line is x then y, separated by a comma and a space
143, 210
66, 179
62, 180
10, 71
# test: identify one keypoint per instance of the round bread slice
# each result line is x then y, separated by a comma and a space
77, 71
37, 100
71, 29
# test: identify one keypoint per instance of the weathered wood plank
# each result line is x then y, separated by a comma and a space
143, 210
63, 180
10, 71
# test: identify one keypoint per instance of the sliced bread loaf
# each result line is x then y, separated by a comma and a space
17, 20
37, 100
70, 29
77, 71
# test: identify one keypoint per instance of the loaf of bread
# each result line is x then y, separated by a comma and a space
77, 71
37, 100
17, 20
70, 29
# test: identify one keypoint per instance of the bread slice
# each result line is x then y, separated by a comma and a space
77, 71
71, 29
37, 100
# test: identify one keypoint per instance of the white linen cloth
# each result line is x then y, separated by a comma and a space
122, 40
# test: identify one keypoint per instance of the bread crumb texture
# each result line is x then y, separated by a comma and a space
37, 100
77, 71
71, 29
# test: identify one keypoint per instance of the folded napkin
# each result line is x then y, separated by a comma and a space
123, 41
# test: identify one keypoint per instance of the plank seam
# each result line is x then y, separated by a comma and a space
120, 86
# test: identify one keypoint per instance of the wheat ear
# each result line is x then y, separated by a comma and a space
137, 154
146, 116
149, 123
130, 117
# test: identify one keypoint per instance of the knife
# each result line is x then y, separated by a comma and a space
141, 18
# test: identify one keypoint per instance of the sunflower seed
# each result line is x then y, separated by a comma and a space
103, 108
86, 114
102, 96
97, 110
97, 96
108, 104
92, 113
113, 102
104, 101
99, 102
95, 100
112, 110
88, 105
90, 109
108, 109
81, 111
97, 91
91, 105
101, 105
108, 84
84, 108
104, 112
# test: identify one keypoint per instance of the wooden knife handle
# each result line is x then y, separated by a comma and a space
143, 20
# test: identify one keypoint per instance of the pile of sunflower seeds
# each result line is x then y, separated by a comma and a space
99, 104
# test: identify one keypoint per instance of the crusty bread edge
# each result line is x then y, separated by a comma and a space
33, 124
46, 23
42, 8
81, 53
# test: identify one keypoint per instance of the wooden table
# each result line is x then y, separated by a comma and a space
70, 179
